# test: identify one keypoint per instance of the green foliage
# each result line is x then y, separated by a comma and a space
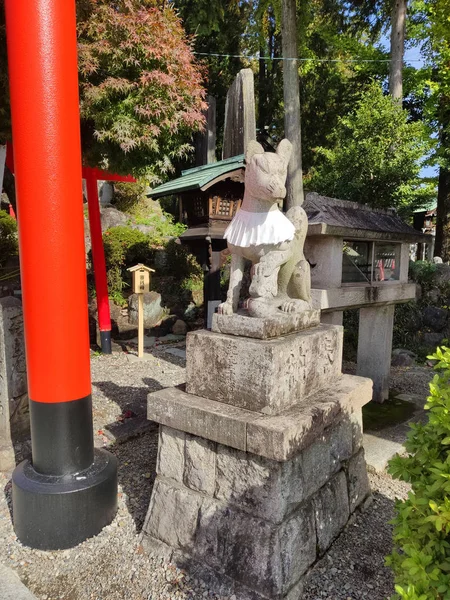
124, 247
421, 556
8, 237
217, 27
375, 156
181, 264
141, 94
423, 273
130, 197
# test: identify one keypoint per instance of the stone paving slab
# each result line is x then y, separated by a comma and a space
276, 437
11, 588
379, 451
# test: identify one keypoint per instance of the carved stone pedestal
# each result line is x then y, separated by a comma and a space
253, 486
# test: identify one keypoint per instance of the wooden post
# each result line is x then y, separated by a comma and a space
240, 120
141, 285
205, 141
141, 326
291, 92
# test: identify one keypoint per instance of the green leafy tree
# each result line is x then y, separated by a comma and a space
421, 556
218, 27
434, 18
375, 156
141, 92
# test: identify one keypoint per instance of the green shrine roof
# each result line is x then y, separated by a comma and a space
199, 178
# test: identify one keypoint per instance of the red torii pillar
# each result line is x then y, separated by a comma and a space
69, 491
92, 175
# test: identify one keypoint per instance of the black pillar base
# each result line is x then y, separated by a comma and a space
58, 512
105, 341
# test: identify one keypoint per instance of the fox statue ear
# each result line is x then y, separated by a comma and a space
253, 147
284, 151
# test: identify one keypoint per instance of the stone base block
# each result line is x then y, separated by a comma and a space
278, 437
269, 327
266, 376
248, 524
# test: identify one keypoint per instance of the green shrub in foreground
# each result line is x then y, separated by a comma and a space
421, 556
8, 237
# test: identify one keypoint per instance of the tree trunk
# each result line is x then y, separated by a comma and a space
9, 185
442, 243
398, 22
291, 92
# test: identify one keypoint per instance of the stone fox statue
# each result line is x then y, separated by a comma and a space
271, 240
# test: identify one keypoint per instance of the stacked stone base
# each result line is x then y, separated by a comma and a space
251, 525
260, 462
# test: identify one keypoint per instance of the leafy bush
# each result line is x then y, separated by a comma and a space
130, 197
124, 247
423, 273
181, 264
421, 556
8, 237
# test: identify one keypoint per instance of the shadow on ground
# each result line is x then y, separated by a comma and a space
137, 472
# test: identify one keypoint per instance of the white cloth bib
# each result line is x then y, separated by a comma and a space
256, 228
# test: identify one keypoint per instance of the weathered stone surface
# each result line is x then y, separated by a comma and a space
200, 464
12, 351
153, 311
317, 465
240, 123
170, 462
432, 339
297, 546
275, 437
267, 376
435, 318
358, 481
247, 525
332, 510
402, 358
254, 483
111, 217
14, 414
7, 456
296, 592
356, 419
173, 515
211, 420
12, 587
281, 437
339, 438
263, 328
375, 347
240, 545
179, 327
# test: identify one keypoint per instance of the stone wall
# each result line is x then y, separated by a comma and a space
14, 416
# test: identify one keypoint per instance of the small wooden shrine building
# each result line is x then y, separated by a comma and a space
209, 197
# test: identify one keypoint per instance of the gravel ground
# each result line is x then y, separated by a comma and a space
112, 566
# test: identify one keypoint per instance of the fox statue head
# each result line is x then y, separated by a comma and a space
265, 172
